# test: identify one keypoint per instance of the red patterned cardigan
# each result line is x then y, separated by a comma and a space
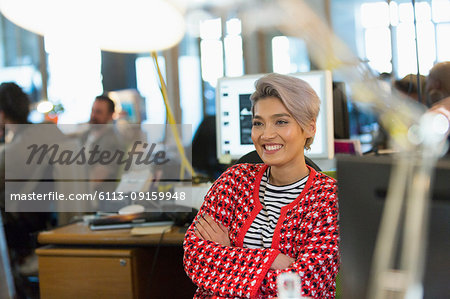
307, 230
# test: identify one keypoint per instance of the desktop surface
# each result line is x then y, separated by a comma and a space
80, 234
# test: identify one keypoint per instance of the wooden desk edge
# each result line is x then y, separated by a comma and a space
79, 234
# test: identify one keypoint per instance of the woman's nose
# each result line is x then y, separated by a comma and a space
268, 132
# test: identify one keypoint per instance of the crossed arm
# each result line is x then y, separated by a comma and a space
207, 229
218, 268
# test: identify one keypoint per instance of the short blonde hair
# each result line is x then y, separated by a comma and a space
296, 95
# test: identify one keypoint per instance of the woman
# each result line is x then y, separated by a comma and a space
260, 220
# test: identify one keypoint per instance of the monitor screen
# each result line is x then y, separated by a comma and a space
234, 116
363, 183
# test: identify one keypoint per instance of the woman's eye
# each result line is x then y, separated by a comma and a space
256, 123
281, 122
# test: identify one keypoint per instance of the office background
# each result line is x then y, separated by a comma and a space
72, 73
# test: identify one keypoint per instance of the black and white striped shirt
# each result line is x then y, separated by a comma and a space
272, 198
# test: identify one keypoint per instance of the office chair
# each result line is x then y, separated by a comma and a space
253, 158
204, 154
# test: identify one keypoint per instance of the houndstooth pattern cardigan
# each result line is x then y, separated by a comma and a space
307, 231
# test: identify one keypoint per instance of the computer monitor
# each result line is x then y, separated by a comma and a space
363, 183
234, 116
340, 111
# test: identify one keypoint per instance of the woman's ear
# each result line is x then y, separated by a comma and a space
310, 130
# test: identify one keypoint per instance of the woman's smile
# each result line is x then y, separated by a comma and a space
271, 148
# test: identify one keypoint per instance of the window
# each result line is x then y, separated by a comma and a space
234, 62
388, 27
211, 50
289, 55
377, 37
442, 45
72, 81
406, 48
220, 55
19, 59
190, 83
147, 82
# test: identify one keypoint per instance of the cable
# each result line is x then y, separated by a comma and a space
155, 256
172, 122
419, 89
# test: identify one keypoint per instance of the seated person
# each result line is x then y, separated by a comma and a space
260, 220
102, 134
21, 228
443, 107
438, 90
409, 87
438, 83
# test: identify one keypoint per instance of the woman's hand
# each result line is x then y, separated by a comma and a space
207, 229
282, 261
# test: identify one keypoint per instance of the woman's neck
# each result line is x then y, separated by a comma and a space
280, 176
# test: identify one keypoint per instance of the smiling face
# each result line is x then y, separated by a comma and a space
278, 138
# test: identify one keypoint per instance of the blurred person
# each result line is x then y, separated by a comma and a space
102, 110
409, 87
438, 83
443, 107
102, 134
21, 228
438, 89
101, 127
260, 220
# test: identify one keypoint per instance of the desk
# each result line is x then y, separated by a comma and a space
79, 263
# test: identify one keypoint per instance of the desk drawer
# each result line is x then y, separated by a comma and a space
87, 273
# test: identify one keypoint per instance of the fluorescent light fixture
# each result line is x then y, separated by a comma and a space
131, 26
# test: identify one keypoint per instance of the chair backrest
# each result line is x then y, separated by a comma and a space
253, 157
204, 154
331, 173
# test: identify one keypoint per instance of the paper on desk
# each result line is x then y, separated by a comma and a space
135, 180
150, 230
